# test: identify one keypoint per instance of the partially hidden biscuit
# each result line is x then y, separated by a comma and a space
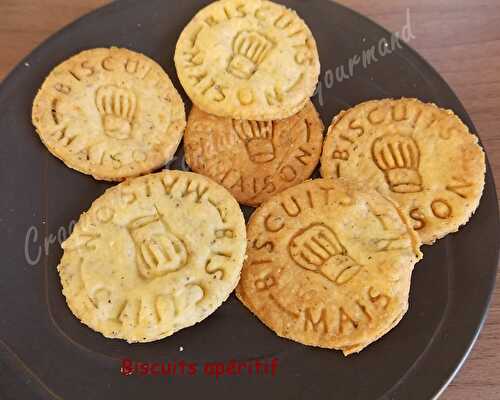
153, 255
254, 159
111, 113
251, 59
329, 265
422, 155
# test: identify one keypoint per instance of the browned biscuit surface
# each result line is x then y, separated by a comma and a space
329, 265
254, 160
424, 157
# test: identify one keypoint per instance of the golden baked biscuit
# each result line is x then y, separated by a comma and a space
254, 159
252, 60
329, 265
153, 255
110, 113
421, 155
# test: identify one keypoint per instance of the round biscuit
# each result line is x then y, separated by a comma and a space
423, 156
251, 60
329, 264
110, 113
153, 255
254, 159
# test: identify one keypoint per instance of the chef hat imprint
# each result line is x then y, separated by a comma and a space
250, 48
398, 157
117, 107
258, 138
158, 250
318, 249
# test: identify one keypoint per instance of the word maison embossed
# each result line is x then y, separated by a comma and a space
329, 265
423, 156
111, 113
253, 60
324, 262
254, 159
153, 255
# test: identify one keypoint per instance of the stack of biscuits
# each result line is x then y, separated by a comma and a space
325, 262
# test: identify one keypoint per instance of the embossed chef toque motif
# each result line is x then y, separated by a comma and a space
158, 251
110, 113
258, 139
117, 107
422, 156
153, 255
253, 60
329, 264
398, 157
254, 159
318, 249
249, 50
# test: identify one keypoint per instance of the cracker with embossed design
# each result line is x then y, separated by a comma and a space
254, 159
423, 156
110, 113
329, 264
153, 255
248, 59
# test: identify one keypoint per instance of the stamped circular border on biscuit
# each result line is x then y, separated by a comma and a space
252, 60
329, 264
110, 113
254, 159
423, 156
153, 255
